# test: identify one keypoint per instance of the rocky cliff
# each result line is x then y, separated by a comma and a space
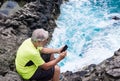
42, 14
108, 70
17, 27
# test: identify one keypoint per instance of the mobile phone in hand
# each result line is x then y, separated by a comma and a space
64, 48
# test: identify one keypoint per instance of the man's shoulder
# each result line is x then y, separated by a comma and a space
26, 44
27, 40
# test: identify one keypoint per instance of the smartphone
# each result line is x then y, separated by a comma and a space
64, 48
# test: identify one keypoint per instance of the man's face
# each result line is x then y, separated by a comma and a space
42, 43
45, 42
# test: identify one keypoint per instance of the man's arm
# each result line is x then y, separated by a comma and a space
50, 50
50, 64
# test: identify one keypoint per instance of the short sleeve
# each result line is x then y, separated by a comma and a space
39, 48
37, 58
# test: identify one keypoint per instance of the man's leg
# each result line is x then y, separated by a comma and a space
56, 75
52, 57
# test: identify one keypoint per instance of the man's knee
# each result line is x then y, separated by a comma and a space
57, 69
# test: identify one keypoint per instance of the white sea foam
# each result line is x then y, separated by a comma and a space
91, 35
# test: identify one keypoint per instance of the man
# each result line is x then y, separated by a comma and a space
29, 62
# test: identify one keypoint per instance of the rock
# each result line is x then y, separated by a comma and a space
2, 78
12, 76
115, 18
117, 53
2, 16
9, 8
19, 26
108, 70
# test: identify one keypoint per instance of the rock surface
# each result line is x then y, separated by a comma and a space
108, 70
17, 27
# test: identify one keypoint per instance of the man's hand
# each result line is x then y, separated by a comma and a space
62, 55
60, 49
52, 63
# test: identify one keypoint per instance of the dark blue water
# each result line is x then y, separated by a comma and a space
88, 29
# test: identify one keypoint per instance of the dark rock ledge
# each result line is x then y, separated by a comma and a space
108, 70
14, 29
17, 27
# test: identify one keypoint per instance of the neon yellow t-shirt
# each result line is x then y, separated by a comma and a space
27, 52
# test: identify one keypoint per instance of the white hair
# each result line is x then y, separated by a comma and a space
39, 35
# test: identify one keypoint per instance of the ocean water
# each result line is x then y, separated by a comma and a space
88, 29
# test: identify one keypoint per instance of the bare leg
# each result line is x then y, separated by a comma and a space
52, 57
56, 76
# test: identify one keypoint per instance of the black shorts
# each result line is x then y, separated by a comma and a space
41, 74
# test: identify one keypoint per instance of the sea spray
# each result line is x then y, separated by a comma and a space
88, 29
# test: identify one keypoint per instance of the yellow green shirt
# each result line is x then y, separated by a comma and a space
27, 52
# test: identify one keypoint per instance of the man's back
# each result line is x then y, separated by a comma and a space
26, 53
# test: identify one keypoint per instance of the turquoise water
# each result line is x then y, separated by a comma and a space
88, 29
